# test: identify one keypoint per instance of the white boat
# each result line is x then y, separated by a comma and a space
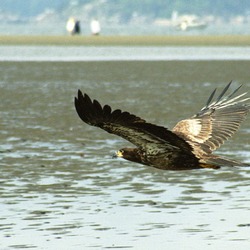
188, 22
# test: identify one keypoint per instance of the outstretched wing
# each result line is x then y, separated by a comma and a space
128, 126
216, 122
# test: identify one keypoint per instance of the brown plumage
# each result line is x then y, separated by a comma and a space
188, 146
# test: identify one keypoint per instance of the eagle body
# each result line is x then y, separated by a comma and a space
171, 160
189, 145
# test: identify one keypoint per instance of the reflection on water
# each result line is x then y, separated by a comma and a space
60, 188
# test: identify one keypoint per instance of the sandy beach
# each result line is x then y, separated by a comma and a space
222, 40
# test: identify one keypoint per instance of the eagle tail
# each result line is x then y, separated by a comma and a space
221, 161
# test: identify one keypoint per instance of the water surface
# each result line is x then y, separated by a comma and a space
60, 188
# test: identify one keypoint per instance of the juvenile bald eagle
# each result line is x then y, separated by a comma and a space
190, 143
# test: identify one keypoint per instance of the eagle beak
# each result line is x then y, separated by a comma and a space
117, 154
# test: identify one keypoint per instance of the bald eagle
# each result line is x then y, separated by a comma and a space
190, 143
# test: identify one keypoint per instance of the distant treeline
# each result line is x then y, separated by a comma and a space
127, 8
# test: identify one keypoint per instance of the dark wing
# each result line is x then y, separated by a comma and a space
215, 123
147, 136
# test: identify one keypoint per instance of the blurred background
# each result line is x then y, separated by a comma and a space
133, 17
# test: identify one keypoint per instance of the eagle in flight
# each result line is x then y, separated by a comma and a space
189, 145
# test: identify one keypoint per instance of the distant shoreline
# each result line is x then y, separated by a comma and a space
102, 40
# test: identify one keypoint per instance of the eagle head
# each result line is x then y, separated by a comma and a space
130, 154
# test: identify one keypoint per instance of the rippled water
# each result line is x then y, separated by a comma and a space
60, 188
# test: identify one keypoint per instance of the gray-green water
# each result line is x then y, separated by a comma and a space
60, 188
